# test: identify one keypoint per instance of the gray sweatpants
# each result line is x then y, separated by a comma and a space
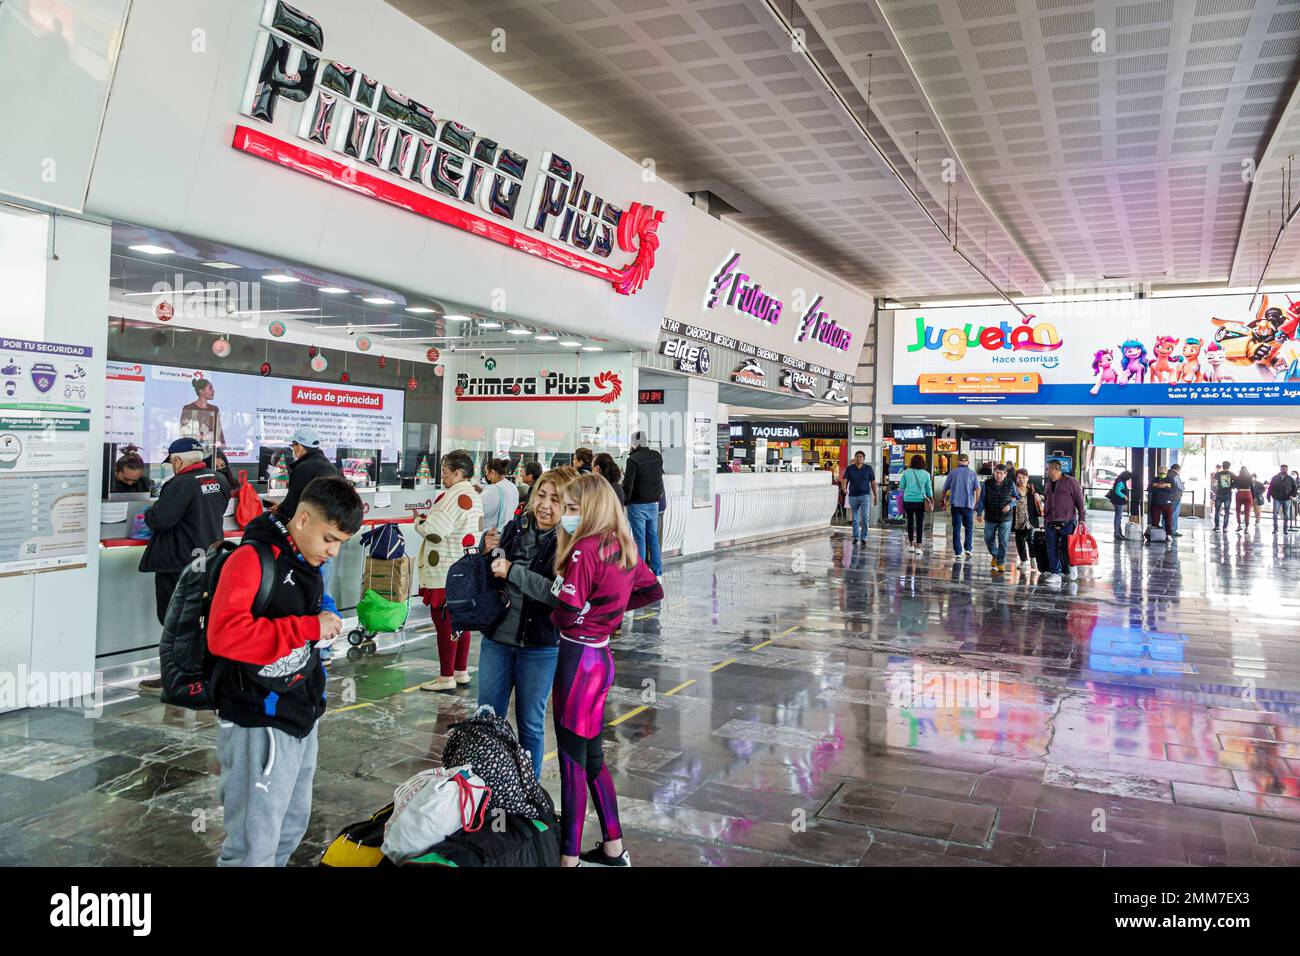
266, 778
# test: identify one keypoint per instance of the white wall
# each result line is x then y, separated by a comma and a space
166, 160
49, 618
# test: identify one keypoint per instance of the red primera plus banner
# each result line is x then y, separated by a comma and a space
1185, 351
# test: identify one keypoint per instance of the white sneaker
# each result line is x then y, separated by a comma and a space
1050, 578
1074, 574
970, 555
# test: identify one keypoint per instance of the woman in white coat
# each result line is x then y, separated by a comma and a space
452, 525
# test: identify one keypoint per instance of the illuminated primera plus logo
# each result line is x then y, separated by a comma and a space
554, 387
418, 160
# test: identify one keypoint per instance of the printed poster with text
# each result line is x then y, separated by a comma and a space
44, 455
1191, 351
152, 405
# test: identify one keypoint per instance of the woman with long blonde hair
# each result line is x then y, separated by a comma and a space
598, 578
518, 655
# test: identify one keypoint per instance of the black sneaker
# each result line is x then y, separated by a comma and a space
598, 857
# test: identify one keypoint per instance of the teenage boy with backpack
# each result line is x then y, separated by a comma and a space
268, 677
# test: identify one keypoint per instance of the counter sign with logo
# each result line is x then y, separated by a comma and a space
687, 356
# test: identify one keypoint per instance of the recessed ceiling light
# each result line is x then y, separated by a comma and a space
518, 332
570, 345
420, 310
332, 290
280, 277
1015, 418
592, 348
489, 325
378, 300
457, 318
152, 250
275, 311
545, 338
222, 265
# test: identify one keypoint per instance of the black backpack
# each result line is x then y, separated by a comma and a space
474, 601
488, 744
183, 650
521, 842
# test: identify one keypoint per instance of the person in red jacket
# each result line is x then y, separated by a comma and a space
268, 675
599, 577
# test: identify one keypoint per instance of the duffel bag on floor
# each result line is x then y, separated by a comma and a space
431, 806
487, 743
359, 844
522, 842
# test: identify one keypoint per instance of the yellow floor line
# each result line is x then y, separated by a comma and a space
792, 627
718, 667
630, 714
759, 647
680, 686
340, 710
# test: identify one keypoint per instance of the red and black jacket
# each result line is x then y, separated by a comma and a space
266, 669
187, 516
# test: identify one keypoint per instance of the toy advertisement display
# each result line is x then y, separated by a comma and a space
1186, 351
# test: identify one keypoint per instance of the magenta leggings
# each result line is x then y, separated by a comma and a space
583, 676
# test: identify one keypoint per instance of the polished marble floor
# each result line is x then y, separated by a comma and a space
813, 702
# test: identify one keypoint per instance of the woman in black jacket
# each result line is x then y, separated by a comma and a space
1026, 515
605, 466
519, 655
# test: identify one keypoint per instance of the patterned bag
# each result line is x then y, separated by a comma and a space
488, 744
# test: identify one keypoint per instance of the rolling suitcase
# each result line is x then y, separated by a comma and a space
1038, 544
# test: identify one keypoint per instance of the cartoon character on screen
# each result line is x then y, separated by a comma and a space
1165, 367
1215, 358
1101, 368
1133, 367
1189, 372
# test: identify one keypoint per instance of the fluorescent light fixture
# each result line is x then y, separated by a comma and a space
489, 325
149, 250
378, 300
420, 310
1015, 418
545, 338
332, 290
571, 345
218, 264
592, 348
360, 328
457, 318
280, 277
518, 332
275, 311
202, 292
507, 348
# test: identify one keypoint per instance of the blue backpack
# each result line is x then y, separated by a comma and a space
474, 601
385, 541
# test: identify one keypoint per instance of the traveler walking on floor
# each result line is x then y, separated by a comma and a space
961, 494
1257, 498
605, 466
450, 528
1244, 483
600, 578
643, 487
1161, 491
1175, 476
917, 488
1281, 489
996, 509
187, 517
859, 488
1118, 496
268, 671
518, 655
1025, 517
1222, 481
1064, 509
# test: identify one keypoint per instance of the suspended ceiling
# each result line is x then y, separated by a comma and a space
1135, 141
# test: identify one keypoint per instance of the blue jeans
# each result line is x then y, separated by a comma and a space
962, 516
996, 534
1058, 546
1178, 506
1222, 506
1120, 507
860, 506
527, 671
644, 520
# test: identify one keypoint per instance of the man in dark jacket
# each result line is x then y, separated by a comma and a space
309, 463
1064, 509
643, 486
185, 521
1161, 491
268, 675
997, 507
1282, 488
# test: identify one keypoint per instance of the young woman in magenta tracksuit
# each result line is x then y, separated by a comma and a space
598, 577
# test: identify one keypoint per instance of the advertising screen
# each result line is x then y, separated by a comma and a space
1188, 351
150, 406
1119, 432
1164, 433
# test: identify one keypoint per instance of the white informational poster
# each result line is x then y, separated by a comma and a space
44, 453
151, 406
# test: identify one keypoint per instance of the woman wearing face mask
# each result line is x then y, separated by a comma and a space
518, 655
451, 526
600, 577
